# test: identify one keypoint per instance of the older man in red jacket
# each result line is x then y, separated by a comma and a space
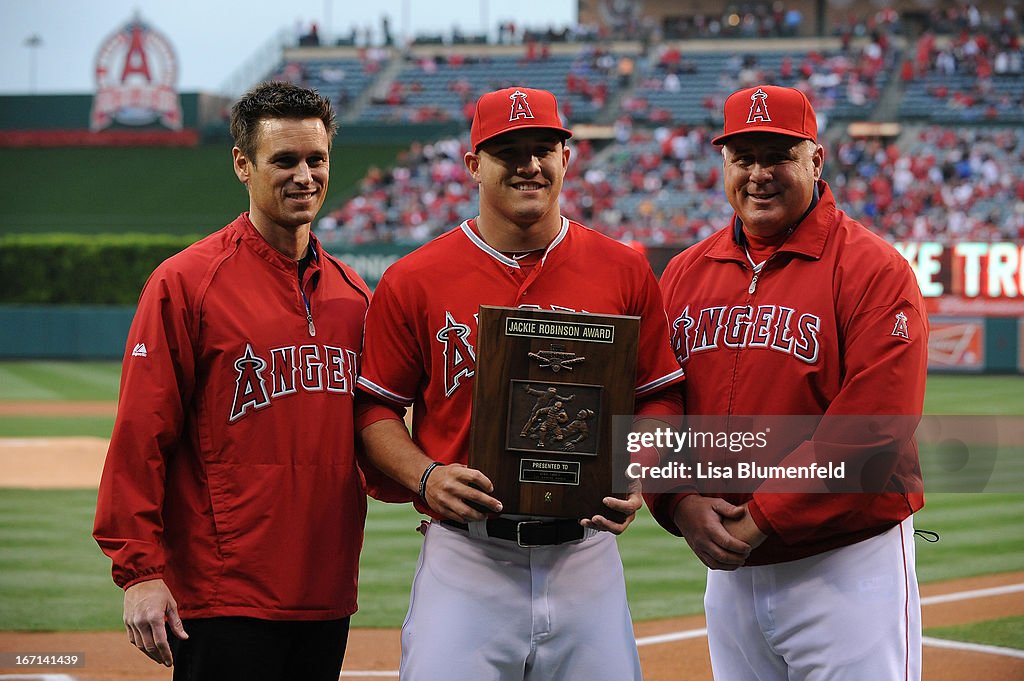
796, 312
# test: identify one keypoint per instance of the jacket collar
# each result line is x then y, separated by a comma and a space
252, 237
808, 237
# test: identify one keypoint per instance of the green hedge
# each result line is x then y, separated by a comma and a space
98, 269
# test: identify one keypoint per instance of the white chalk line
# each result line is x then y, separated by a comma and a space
976, 593
972, 647
671, 636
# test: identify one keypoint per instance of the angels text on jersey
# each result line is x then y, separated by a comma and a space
311, 368
773, 327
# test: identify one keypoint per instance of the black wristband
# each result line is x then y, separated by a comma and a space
423, 478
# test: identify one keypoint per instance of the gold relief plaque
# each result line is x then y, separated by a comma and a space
546, 387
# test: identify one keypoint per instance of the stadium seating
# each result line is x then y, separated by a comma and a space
691, 89
438, 87
342, 80
661, 187
955, 172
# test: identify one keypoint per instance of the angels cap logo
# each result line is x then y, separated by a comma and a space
515, 108
759, 108
136, 71
520, 107
901, 329
747, 110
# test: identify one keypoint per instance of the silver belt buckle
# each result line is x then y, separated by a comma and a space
519, 535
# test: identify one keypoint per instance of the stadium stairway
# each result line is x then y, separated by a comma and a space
613, 107
888, 106
379, 86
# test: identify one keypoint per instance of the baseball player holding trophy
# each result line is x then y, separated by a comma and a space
501, 592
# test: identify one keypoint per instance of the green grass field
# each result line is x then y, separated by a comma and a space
974, 395
37, 380
46, 426
53, 577
60, 380
176, 190
1007, 632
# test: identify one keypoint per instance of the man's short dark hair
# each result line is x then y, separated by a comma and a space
276, 100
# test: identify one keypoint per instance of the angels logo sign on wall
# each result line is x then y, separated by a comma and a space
136, 72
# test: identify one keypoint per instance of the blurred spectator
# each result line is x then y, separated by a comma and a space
972, 74
624, 70
311, 38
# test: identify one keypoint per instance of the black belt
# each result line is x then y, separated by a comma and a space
529, 533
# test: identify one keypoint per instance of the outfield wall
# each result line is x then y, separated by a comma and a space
64, 331
957, 344
973, 293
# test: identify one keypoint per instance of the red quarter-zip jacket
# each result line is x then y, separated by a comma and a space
834, 325
231, 470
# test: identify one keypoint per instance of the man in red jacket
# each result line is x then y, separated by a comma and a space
230, 502
795, 309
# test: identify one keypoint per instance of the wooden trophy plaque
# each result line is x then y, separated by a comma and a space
546, 387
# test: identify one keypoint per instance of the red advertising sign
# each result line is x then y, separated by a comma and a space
969, 278
956, 344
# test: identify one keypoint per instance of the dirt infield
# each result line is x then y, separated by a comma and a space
57, 408
673, 649
51, 463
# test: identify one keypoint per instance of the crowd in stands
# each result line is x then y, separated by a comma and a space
665, 87
662, 187
368, 62
657, 181
758, 20
424, 193
625, 20
950, 77
939, 184
975, 73
957, 18
678, 88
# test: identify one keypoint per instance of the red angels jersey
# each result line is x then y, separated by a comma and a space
231, 470
832, 325
420, 342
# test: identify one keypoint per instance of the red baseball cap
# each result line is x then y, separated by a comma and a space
769, 108
514, 108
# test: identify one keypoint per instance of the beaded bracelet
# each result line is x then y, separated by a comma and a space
423, 478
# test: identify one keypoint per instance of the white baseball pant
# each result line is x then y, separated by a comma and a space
485, 609
849, 614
